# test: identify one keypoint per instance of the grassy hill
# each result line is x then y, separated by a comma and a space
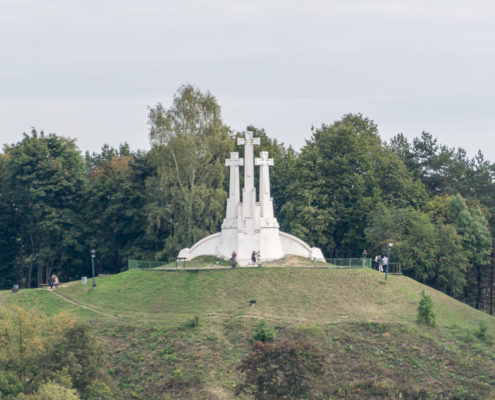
182, 334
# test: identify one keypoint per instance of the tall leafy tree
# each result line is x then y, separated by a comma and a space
342, 174
9, 245
413, 236
189, 146
473, 228
46, 179
451, 262
115, 204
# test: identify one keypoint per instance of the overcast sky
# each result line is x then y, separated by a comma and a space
89, 69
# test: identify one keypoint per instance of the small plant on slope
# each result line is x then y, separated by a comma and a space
425, 310
264, 333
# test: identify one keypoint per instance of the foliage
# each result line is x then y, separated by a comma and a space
426, 315
46, 181
413, 237
190, 145
481, 332
264, 333
473, 229
115, 204
51, 391
42, 357
451, 262
341, 176
284, 370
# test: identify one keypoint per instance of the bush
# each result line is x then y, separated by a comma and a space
425, 310
284, 370
481, 332
51, 391
264, 333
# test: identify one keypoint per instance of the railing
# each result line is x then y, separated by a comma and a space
350, 262
139, 264
393, 268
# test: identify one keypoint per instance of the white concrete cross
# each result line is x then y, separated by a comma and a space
264, 163
248, 142
234, 162
249, 191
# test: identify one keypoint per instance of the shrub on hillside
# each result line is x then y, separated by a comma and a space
425, 310
51, 391
284, 370
481, 332
264, 333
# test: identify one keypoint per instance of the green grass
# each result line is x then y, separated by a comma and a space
183, 333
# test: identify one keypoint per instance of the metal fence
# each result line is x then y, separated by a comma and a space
394, 268
139, 264
350, 262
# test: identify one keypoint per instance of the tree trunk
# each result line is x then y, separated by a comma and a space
479, 278
491, 291
30, 274
40, 275
48, 273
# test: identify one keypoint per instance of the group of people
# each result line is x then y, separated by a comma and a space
381, 263
255, 258
54, 282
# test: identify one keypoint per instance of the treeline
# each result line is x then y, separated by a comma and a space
345, 191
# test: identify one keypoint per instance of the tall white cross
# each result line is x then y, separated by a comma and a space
249, 192
234, 162
248, 142
264, 163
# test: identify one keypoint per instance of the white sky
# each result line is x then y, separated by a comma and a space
89, 69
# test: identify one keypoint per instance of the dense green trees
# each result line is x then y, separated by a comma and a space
342, 174
115, 203
41, 357
344, 191
45, 178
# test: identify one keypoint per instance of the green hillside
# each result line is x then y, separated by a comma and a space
181, 335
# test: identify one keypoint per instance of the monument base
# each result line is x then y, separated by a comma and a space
289, 245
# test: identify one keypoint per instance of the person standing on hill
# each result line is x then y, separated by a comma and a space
380, 263
385, 263
234, 258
